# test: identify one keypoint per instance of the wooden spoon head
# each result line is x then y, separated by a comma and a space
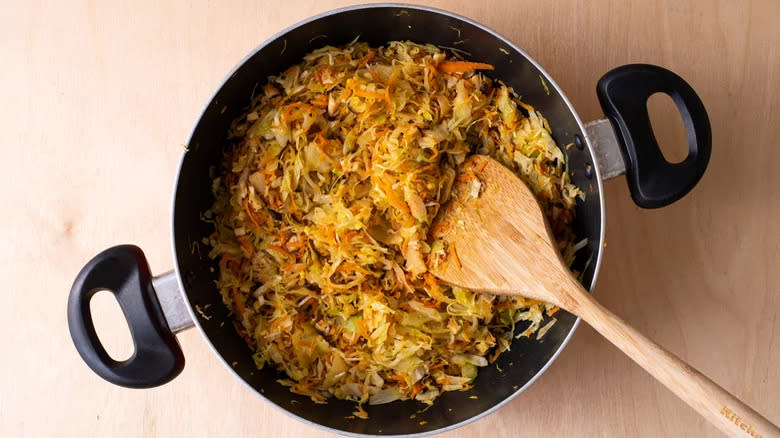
498, 239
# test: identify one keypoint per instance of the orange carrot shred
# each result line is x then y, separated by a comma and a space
455, 255
369, 94
249, 213
294, 245
320, 101
245, 243
366, 59
462, 66
527, 107
237, 301
392, 198
393, 78
281, 250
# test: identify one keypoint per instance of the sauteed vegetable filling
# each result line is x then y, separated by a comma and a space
322, 219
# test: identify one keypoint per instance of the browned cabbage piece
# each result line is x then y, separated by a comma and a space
322, 220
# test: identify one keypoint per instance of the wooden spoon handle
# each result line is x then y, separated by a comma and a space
714, 403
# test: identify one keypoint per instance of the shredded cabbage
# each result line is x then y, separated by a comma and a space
323, 210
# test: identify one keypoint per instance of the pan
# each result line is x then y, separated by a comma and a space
158, 307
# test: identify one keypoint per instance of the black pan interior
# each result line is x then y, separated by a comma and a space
376, 25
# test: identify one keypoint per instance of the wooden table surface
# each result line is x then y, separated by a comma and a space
100, 96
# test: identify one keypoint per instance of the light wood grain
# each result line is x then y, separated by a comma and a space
100, 96
500, 242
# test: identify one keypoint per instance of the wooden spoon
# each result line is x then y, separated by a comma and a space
500, 243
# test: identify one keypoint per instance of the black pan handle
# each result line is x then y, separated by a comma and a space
653, 181
124, 271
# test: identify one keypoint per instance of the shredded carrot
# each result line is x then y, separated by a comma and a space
399, 378
362, 329
249, 212
481, 166
294, 245
245, 244
293, 110
432, 304
292, 267
238, 301
465, 177
320, 101
505, 305
462, 66
392, 198
495, 355
374, 75
353, 266
366, 59
454, 254
437, 366
278, 321
283, 237
368, 94
281, 250
388, 100
390, 83
416, 388
361, 413
528, 108
430, 280
297, 341
432, 72
527, 302
393, 78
